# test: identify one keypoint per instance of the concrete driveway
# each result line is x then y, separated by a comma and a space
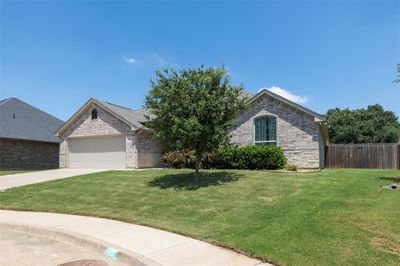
18, 180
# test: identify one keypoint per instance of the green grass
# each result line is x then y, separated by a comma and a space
333, 217
10, 172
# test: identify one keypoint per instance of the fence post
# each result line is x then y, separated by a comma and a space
398, 156
326, 156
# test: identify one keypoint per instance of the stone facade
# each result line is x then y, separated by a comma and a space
298, 134
137, 146
28, 155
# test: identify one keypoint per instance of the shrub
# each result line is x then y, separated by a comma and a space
186, 159
207, 160
290, 167
178, 159
248, 157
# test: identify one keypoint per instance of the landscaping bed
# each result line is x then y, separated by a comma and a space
331, 217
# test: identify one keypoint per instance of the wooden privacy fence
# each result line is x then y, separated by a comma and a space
385, 156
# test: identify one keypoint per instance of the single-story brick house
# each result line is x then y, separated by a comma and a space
27, 139
105, 135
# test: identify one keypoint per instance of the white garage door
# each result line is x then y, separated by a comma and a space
97, 152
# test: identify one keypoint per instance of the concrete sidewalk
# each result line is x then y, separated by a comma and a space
18, 180
162, 247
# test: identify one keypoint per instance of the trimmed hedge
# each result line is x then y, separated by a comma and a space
250, 157
230, 157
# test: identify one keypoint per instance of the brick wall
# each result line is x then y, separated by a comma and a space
105, 124
297, 133
149, 150
27, 155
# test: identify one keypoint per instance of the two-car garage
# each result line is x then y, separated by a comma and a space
104, 152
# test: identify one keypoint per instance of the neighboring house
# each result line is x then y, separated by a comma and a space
105, 135
27, 139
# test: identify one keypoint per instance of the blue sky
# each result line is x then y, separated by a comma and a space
56, 55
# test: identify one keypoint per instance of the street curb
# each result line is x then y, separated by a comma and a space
125, 256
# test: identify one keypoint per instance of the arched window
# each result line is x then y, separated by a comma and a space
265, 130
94, 114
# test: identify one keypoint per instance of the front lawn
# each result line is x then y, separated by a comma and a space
333, 217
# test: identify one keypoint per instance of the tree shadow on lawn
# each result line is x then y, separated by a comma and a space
187, 180
392, 179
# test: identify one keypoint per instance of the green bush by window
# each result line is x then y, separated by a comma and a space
247, 157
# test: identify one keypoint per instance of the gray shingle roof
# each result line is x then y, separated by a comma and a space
134, 117
137, 117
29, 123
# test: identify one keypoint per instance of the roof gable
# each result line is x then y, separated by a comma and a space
131, 117
20, 120
317, 117
134, 117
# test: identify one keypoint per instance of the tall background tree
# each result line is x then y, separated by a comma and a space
371, 125
193, 109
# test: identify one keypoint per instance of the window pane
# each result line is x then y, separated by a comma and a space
260, 129
265, 130
94, 114
272, 128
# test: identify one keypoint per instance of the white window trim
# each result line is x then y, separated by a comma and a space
264, 141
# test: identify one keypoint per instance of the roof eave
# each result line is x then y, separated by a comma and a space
144, 129
133, 127
84, 106
30, 139
317, 117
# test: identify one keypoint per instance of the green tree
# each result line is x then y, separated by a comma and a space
371, 125
193, 108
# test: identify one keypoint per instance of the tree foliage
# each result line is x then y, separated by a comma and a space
193, 109
371, 125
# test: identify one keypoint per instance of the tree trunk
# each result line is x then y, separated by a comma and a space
197, 166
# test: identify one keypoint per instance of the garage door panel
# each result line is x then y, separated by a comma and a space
97, 152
